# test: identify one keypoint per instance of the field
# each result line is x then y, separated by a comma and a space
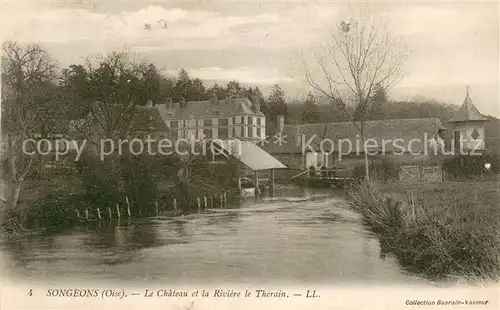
442, 230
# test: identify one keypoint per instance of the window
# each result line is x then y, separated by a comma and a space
456, 140
207, 133
259, 121
250, 120
197, 134
259, 132
223, 133
249, 132
234, 120
223, 121
174, 135
174, 124
475, 134
207, 122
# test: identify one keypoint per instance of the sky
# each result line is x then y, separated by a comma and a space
451, 44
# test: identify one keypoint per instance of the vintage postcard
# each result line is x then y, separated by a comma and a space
250, 155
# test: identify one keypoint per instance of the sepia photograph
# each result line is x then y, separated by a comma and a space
236, 154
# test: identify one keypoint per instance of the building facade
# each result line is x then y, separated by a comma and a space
214, 119
402, 141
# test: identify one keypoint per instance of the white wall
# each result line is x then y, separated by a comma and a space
466, 130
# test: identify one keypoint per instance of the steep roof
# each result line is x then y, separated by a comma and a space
208, 108
406, 129
148, 119
144, 118
467, 112
250, 154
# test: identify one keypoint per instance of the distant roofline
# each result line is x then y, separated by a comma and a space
370, 121
470, 120
206, 100
225, 115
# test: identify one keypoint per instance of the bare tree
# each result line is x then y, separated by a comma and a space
26, 70
361, 57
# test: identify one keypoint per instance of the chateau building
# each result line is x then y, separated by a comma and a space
214, 119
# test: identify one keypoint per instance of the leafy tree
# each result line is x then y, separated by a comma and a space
309, 113
198, 91
218, 90
235, 89
74, 91
182, 86
276, 104
379, 99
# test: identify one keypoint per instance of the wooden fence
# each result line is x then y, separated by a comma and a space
414, 173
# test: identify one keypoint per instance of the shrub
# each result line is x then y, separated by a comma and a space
384, 170
436, 235
471, 166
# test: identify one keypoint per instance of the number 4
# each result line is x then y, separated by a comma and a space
30, 293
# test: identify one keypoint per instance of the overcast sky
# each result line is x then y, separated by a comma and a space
452, 44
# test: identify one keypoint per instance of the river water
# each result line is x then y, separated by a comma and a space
299, 236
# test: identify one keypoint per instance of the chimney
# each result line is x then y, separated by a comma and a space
214, 100
281, 123
255, 103
228, 99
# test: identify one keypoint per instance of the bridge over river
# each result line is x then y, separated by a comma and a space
299, 236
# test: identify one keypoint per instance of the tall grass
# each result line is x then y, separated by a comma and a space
445, 232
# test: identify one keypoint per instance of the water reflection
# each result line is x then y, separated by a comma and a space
298, 236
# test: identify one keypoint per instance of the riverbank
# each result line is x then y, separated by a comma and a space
56, 205
445, 230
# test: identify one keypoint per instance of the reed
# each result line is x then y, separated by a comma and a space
449, 230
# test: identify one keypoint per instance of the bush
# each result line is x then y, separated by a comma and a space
436, 235
381, 170
384, 170
471, 166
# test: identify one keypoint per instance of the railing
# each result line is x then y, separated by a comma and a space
300, 174
319, 174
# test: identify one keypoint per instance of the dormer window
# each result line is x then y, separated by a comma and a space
151, 123
475, 134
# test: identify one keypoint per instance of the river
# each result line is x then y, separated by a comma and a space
296, 237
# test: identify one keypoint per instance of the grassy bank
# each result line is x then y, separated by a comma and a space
445, 230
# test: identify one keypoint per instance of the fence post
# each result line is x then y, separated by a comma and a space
118, 210
225, 199
87, 214
175, 204
212, 200
206, 203
128, 206
156, 207
98, 213
199, 204
221, 201
109, 211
